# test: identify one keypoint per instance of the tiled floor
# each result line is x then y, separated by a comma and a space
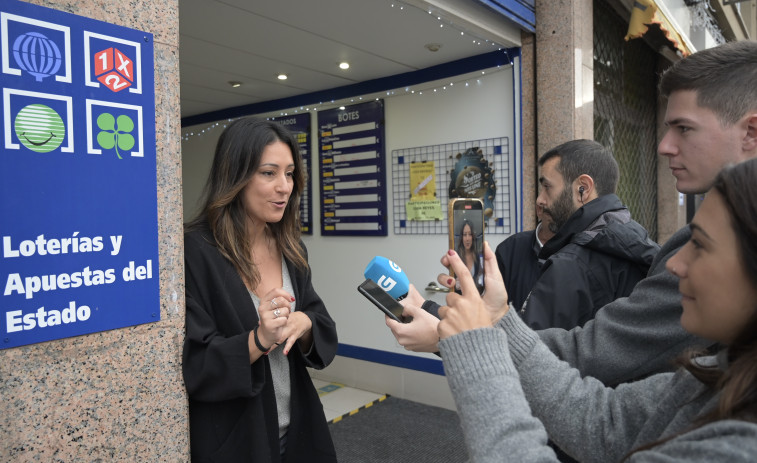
339, 400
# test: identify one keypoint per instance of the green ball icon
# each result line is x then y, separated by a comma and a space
39, 128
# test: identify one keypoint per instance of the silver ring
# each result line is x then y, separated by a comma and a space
276, 313
273, 302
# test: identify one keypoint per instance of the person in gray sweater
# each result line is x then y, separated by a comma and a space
511, 391
711, 117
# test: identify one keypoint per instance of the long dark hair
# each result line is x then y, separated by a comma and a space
737, 384
236, 159
737, 187
460, 246
462, 252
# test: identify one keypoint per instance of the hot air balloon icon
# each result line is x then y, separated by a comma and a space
37, 55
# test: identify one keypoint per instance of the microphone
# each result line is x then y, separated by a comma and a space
389, 276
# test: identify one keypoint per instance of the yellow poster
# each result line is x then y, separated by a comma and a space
424, 210
423, 204
422, 181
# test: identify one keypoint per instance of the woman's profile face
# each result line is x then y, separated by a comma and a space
267, 192
467, 237
717, 296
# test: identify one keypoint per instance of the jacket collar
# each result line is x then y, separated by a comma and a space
580, 221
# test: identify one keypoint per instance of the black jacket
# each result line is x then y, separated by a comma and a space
232, 407
519, 264
596, 257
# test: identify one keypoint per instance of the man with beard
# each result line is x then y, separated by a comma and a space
598, 253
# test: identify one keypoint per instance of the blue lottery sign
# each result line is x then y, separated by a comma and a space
78, 176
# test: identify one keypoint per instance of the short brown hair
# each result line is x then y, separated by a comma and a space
578, 157
724, 78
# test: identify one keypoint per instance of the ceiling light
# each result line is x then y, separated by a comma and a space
282, 76
235, 83
344, 65
432, 47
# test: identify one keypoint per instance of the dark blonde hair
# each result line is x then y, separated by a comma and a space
236, 159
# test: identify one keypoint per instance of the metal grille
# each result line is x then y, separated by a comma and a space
495, 150
625, 96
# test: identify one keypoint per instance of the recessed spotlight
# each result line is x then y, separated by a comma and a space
433, 47
235, 83
282, 76
344, 65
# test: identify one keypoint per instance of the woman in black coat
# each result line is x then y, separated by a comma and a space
254, 321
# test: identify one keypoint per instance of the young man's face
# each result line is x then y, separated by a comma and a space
696, 144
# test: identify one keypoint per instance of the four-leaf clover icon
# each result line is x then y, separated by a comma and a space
115, 132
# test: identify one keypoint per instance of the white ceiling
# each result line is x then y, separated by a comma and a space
252, 41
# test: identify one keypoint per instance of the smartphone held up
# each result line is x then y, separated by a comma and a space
466, 236
382, 300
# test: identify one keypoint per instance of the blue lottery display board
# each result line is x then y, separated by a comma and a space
78, 186
299, 124
353, 170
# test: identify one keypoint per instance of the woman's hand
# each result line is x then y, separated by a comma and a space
299, 327
274, 312
413, 297
495, 293
469, 310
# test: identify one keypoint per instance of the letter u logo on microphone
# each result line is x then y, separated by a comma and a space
386, 283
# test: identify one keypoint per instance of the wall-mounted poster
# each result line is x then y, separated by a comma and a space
472, 177
480, 168
78, 187
299, 124
353, 173
423, 203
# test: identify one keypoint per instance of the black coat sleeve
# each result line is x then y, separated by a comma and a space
219, 317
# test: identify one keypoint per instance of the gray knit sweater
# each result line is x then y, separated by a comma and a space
635, 336
504, 377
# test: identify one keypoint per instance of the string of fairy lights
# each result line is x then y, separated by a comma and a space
421, 90
477, 82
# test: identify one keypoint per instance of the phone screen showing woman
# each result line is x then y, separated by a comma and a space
466, 235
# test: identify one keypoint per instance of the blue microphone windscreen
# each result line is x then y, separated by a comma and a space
389, 276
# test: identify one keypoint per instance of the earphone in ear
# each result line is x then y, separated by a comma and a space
581, 193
